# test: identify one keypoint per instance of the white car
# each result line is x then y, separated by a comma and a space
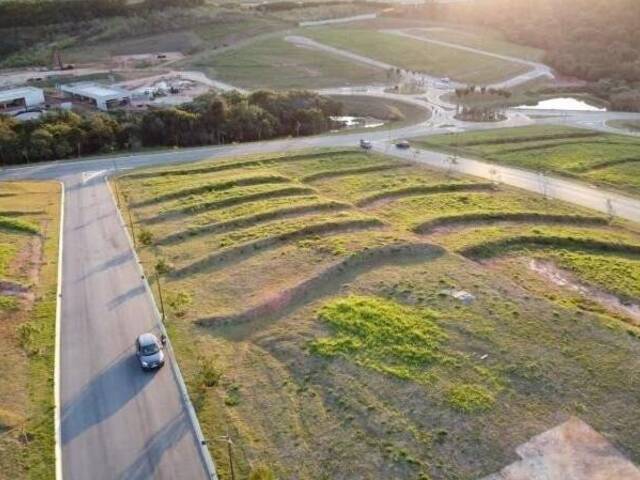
149, 351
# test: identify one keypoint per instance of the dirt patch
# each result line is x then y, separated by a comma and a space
562, 278
570, 451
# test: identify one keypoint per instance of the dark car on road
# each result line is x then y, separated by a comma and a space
149, 351
403, 144
366, 144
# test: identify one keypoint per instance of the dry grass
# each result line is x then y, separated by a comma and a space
28, 269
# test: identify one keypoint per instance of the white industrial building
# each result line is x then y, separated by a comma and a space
100, 96
20, 98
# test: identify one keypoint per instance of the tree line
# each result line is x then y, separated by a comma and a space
210, 119
30, 13
594, 40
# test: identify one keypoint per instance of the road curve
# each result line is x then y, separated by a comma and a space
117, 422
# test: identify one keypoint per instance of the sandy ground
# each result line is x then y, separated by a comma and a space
570, 451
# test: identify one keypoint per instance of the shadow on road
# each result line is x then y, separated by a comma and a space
126, 296
113, 262
103, 396
149, 458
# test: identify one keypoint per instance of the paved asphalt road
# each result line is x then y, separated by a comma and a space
118, 422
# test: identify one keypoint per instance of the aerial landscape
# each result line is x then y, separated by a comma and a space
320, 239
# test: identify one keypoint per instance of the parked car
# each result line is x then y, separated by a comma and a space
403, 144
366, 144
149, 351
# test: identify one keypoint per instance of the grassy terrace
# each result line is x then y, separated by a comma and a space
29, 224
601, 158
319, 329
416, 55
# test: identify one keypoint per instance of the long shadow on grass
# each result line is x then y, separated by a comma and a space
326, 282
294, 191
418, 190
253, 220
240, 252
519, 217
214, 187
532, 242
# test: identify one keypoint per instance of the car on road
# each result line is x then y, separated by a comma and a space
366, 144
149, 351
403, 144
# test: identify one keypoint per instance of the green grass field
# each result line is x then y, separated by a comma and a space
310, 304
29, 223
600, 158
278, 64
483, 40
416, 55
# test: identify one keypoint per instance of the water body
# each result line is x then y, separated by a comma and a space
358, 122
564, 103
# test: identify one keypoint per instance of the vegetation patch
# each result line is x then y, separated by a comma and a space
470, 398
382, 335
18, 225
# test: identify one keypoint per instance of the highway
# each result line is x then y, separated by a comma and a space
117, 422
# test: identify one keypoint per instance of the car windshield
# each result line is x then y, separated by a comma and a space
149, 349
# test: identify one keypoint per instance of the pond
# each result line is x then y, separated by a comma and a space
357, 122
564, 103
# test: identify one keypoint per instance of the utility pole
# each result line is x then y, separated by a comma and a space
133, 234
227, 439
160, 293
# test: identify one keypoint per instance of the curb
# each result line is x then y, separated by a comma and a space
56, 367
204, 451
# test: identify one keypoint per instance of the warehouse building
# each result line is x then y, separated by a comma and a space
20, 99
100, 96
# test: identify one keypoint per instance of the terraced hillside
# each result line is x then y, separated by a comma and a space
29, 223
592, 156
319, 304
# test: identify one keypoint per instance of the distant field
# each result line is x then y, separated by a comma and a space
482, 40
310, 303
226, 30
29, 223
279, 64
605, 159
416, 55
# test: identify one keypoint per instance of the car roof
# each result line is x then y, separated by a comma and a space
147, 339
